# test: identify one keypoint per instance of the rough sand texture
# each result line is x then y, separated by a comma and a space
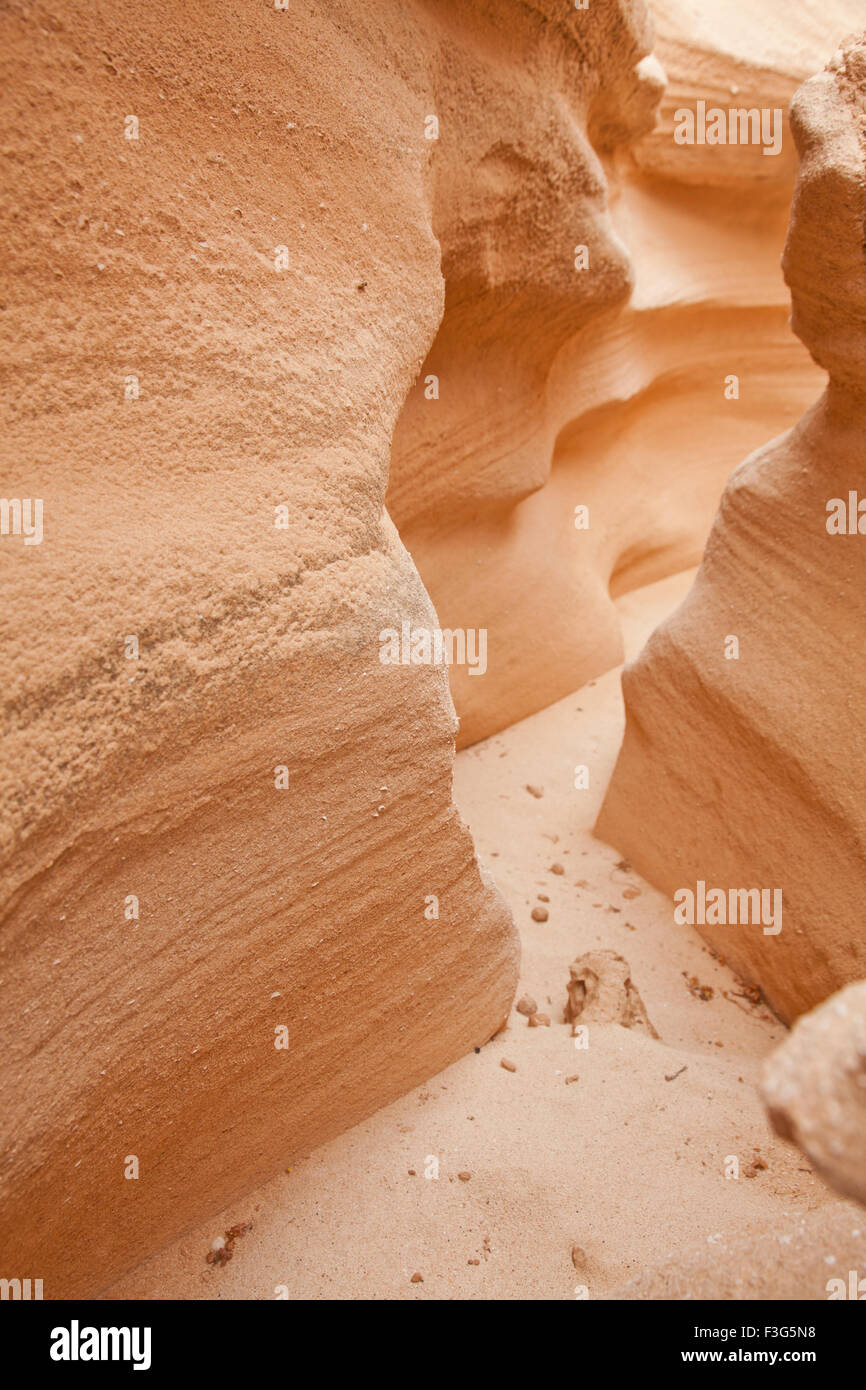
622, 1163
747, 771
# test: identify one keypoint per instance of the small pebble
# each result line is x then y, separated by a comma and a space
539, 1021
578, 1257
573, 1077
417, 1278
527, 1005
539, 914
557, 869
535, 791
464, 1176
473, 1262
509, 1066
542, 897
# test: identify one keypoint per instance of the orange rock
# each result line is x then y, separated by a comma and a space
741, 710
223, 815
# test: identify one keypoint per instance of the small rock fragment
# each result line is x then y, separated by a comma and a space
223, 1247
814, 1087
574, 1077
557, 869
578, 1257
464, 1176
417, 1278
756, 1166
539, 914
526, 1005
704, 992
509, 1066
601, 990
535, 791
539, 1021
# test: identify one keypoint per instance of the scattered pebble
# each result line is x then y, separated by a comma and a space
578, 1257
537, 792
700, 991
574, 1077
539, 914
509, 1066
557, 869
464, 1176
755, 1167
417, 1278
542, 897
539, 1021
223, 1247
527, 1005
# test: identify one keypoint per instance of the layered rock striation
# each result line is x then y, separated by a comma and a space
742, 766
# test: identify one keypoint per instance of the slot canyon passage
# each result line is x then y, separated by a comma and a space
327, 323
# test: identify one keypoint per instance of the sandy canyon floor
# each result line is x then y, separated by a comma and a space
626, 1162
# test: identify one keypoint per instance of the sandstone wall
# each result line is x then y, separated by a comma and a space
155, 777
749, 772
545, 404
233, 258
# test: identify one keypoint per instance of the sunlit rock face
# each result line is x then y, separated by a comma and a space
742, 766
550, 388
239, 909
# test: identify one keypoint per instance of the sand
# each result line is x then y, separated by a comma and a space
288, 369
627, 1163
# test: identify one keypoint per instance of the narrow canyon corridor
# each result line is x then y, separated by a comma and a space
620, 1149
432, 603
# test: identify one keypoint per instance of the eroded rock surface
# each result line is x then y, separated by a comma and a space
602, 388
239, 910
815, 1089
601, 990
743, 759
